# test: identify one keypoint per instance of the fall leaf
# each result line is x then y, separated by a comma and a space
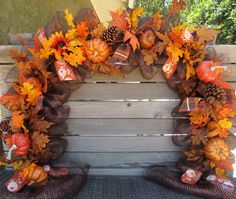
176, 6
83, 29
16, 165
174, 50
76, 57
199, 118
11, 101
119, 21
223, 134
157, 21
69, 18
30, 92
17, 121
193, 154
220, 172
21, 40
98, 31
225, 123
225, 111
132, 39
3, 163
198, 136
206, 34
149, 55
190, 72
135, 15
161, 46
39, 141
40, 125
18, 56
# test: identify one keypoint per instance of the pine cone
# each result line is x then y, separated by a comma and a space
212, 93
5, 126
111, 34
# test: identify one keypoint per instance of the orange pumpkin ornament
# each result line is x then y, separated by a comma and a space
214, 129
96, 50
205, 73
34, 174
19, 144
147, 39
216, 150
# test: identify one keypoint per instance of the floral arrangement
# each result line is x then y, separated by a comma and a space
71, 48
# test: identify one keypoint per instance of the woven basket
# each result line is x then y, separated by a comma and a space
169, 176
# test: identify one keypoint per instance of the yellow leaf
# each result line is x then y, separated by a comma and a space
220, 172
16, 165
225, 123
31, 92
3, 163
190, 71
69, 18
135, 15
174, 50
76, 57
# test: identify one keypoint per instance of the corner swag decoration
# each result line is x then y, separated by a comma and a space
69, 49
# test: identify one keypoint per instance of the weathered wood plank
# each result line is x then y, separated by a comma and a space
120, 144
228, 50
123, 91
4, 53
118, 160
119, 127
134, 76
157, 109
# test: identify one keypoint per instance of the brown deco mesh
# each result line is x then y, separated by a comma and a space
56, 188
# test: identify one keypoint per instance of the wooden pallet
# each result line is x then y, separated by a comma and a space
116, 125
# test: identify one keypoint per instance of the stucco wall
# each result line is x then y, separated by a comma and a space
21, 16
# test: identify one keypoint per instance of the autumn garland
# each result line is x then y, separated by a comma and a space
130, 41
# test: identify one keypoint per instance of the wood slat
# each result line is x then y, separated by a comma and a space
120, 144
118, 160
134, 76
228, 50
159, 109
119, 127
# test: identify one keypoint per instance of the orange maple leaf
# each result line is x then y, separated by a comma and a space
162, 45
39, 141
119, 21
11, 101
132, 40
225, 164
17, 121
157, 21
174, 50
199, 118
82, 29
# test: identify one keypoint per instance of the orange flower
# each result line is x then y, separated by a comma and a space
82, 29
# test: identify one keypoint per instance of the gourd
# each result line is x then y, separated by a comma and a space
34, 174
96, 50
205, 73
147, 39
216, 150
19, 144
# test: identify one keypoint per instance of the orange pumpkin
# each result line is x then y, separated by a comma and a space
205, 73
214, 129
216, 150
147, 39
19, 144
96, 50
34, 174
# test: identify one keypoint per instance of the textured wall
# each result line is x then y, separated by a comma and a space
21, 16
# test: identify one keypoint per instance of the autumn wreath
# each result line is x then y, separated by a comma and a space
69, 49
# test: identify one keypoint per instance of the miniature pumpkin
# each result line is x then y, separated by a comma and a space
147, 39
96, 50
214, 129
34, 174
205, 73
216, 150
19, 143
